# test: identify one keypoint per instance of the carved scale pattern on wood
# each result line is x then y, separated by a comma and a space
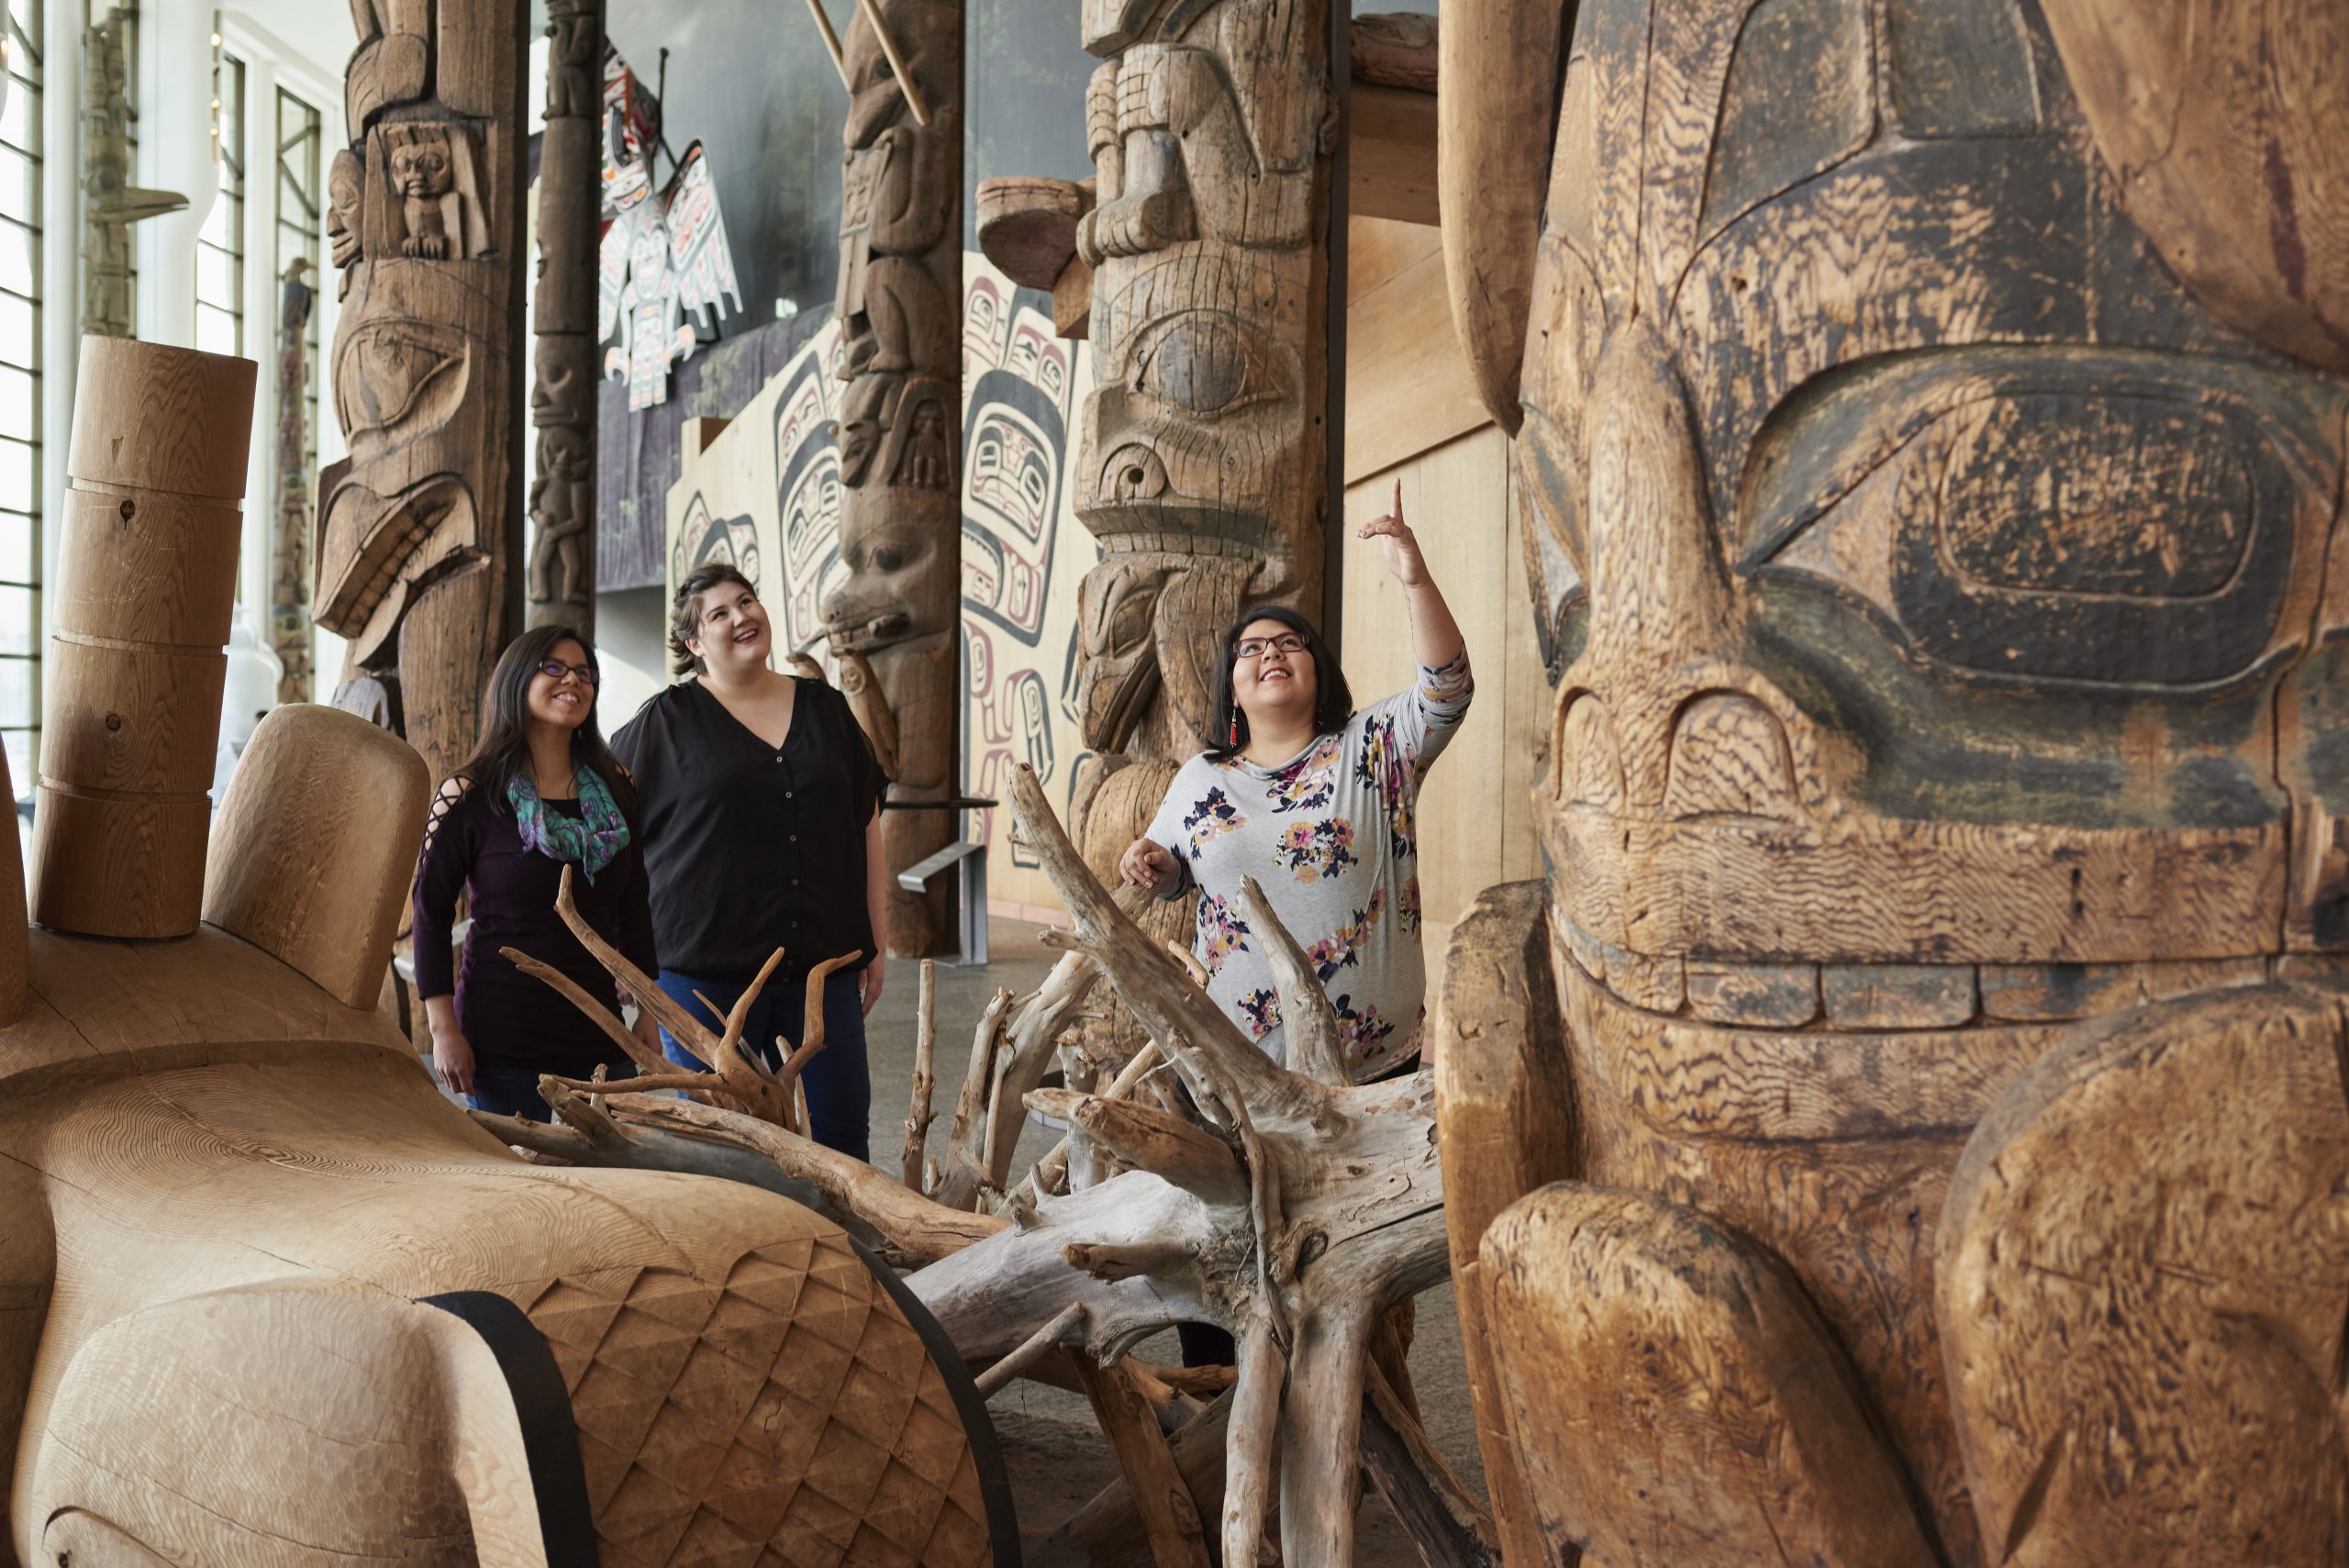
1935, 540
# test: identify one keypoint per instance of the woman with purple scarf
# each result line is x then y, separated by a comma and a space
540, 792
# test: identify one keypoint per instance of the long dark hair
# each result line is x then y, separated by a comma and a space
685, 610
1333, 700
503, 749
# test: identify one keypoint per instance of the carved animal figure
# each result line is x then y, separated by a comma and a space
417, 535
901, 527
1931, 1026
421, 174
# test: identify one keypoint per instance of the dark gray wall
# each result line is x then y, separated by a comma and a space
749, 78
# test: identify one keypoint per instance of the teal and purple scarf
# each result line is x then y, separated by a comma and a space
589, 841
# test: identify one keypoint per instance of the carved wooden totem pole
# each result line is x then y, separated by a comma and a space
420, 528
896, 622
1201, 457
1931, 432
266, 1296
289, 608
110, 203
562, 395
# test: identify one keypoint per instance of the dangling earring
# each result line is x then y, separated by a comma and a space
1235, 726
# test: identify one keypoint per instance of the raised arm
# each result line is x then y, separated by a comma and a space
1435, 636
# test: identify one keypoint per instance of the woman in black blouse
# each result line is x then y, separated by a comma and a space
761, 819
541, 790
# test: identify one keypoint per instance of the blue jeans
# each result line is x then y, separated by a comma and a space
839, 1085
513, 1091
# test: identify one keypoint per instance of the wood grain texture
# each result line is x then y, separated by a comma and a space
310, 858
1496, 94
1506, 1125
1163, 1503
2221, 124
1391, 168
1408, 388
1027, 226
1887, 763
899, 306
135, 663
419, 539
1677, 1396
1396, 49
2141, 1307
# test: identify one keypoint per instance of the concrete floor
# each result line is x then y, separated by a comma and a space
1055, 1454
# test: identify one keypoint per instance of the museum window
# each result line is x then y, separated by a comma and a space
300, 219
20, 390
220, 248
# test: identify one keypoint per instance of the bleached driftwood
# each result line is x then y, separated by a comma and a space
1294, 1214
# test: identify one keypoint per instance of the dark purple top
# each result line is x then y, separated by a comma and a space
511, 1019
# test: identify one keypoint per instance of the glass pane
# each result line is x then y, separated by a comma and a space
16, 480
16, 337
22, 745
21, 122
16, 402
216, 275
17, 681
15, 259
19, 620
19, 542
18, 195
215, 330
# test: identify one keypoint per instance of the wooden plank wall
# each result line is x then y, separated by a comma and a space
1412, 414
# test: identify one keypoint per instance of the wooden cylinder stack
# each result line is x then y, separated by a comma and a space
146, 591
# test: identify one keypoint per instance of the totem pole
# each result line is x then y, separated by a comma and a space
1201, 454
421, 526
110, 203
562, 396
289, 619
894, 623
1932, 441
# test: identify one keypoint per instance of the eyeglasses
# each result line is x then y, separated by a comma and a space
1253, 647
555, 670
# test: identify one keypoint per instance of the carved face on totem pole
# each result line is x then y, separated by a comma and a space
1948, 625
1201, 451
900, 258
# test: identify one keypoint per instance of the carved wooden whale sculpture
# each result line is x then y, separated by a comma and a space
266, 1297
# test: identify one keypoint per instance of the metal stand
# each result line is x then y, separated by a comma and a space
973, 860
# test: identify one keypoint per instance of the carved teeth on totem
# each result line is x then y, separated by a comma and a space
1882, 997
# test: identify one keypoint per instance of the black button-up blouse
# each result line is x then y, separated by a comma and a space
750, 848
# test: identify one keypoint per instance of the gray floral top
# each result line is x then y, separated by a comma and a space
1330, 836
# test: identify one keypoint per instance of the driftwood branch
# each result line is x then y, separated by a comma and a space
918, 1114
1451, 1529
1170, 1517
998, 1377
646, 1059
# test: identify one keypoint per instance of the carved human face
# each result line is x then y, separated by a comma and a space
420, 168
1945, 649
1898, 511
564, 702
1205, 310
